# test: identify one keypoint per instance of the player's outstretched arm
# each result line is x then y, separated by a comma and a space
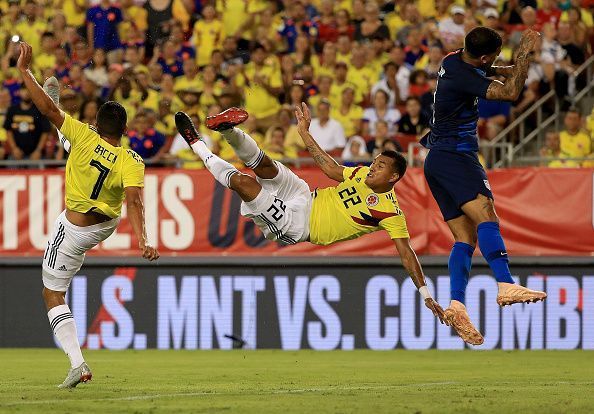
326, 163
136, 217
42, 101
516, 75
413, 267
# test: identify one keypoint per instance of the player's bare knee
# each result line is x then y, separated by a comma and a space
246, 186
267, 169
52, 298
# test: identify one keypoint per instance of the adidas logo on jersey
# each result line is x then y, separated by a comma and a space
358, 179
63, 268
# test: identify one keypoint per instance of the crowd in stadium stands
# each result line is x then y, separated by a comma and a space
367, 69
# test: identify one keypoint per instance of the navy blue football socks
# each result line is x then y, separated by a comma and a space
493, 250
459, 267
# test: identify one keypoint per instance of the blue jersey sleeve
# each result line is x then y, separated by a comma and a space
474, 83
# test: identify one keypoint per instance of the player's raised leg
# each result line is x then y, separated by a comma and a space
482, 212
459, 265
247, 187
245, 147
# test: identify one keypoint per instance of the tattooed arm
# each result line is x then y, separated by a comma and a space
512, 87
326, 163
505, 71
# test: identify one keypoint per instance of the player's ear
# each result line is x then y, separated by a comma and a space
395, 177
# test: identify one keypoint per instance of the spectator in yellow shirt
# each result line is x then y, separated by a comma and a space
347, 113
360, 73
31, 27
263, 85
574, 142
46, 59
208, 35
190, 78
325, 65
284, 121
74, 11
324, 85
341, 82
552, 149
276, 149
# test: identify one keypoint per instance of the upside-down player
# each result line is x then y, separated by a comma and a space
282, 206
457, 180
99, 174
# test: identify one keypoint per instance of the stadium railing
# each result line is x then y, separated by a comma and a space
547, 111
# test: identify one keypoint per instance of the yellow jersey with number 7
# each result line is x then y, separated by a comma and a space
97, 172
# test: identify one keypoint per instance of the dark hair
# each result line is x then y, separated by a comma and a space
575, 110
257, 46
399, 162
83, 107
413, 98
111, 120
390, 64
482, 41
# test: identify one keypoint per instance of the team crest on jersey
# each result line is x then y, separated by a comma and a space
372, 200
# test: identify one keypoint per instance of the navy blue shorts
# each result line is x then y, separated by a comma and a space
455, 178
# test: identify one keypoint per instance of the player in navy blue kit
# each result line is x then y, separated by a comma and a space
457, 180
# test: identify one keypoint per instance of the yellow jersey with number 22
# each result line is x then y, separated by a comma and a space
351, 209
97, 172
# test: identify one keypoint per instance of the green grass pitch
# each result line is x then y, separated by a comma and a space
301, 382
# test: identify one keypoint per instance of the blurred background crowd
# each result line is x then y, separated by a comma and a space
366, 69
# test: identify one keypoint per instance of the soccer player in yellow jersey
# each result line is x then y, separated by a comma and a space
99, 175
281, 205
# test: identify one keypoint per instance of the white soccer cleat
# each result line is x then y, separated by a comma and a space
51, 86
77, 375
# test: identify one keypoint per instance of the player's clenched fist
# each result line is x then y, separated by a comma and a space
149, 253
24, 60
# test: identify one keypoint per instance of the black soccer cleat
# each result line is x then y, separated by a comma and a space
226, 119
186, 128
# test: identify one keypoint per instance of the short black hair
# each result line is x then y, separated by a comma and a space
111, 120
482, 41
399, 162
575, 110
413, 98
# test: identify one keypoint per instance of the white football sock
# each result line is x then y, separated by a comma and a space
220, 169
245, 147
64, 328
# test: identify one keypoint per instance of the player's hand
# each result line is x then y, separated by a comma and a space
24, 60
303, 118
436, 309
149, 252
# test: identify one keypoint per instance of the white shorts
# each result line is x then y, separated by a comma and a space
66, 250
282, 208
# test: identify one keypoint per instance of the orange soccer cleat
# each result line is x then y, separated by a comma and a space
457, 317
510, 293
